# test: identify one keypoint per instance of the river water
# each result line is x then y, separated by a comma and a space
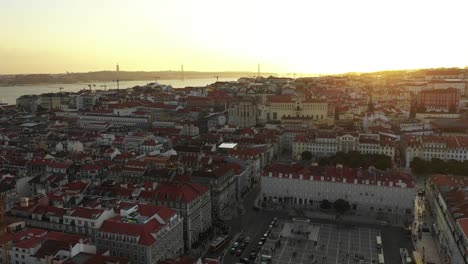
9, 94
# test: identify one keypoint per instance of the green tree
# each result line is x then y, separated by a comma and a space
325, 204
306, 155
341, 206
437, 166
418, 166
354, 159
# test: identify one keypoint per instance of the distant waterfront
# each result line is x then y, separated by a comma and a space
9, 94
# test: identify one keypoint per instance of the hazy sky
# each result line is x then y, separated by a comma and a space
219, 35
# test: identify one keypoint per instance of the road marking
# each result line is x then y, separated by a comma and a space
370, 245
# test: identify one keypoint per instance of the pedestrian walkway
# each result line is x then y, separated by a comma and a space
426, 245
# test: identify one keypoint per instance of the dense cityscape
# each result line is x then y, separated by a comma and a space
351, 168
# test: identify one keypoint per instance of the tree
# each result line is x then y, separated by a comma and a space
325, 204
418, 166
341, 206
306, 155
437, 166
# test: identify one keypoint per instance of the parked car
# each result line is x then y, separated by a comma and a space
247, 240
384, 223
232, 250
243, 245
244, 260
239, 252
253, 256
235, 245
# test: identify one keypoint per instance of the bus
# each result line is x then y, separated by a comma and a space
417, 258
381, 259
379, 242
217, 244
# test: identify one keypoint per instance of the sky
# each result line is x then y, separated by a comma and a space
293, 36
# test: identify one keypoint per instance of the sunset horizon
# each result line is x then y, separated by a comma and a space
301, 36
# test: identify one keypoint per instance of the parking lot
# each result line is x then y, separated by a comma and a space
334, 245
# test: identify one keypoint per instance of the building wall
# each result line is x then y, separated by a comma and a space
366, 197
440, 100
429, 151
314, 110
242, 114
169, 244
444, 226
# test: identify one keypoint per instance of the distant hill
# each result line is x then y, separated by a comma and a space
108, 76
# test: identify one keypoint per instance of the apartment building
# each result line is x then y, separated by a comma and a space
389, 192
429, 147
440, 100
325, 144
191, 201
142, 233
448, 201
278, 107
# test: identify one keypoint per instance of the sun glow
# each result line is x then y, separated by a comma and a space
212, 35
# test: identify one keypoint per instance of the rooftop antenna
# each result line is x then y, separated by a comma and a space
182, 71
217, 77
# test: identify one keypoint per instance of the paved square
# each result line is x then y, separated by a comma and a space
335, 245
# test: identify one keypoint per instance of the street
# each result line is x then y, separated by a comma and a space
252, 224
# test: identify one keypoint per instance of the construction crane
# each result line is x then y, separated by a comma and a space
217, 77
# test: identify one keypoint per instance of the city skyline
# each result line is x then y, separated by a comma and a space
301, 37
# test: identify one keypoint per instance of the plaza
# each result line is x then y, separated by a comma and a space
332, 244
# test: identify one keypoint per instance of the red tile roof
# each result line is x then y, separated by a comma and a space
179, 191
87, 213
330, 173
141, 230
279, 99
463, 222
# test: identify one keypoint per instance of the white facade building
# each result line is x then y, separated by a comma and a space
328, 144
387, 192
440, 147
283, 106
